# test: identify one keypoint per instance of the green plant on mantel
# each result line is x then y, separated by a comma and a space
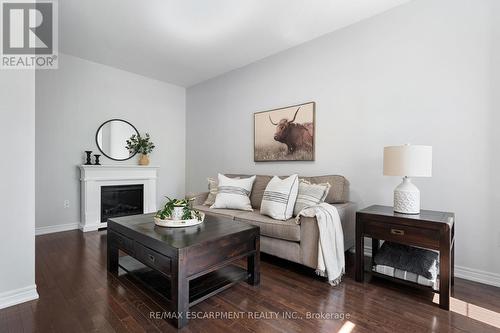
187, 212
139, 144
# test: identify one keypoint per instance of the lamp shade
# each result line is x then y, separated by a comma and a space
408, 160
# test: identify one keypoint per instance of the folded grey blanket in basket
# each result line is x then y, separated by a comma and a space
407, 258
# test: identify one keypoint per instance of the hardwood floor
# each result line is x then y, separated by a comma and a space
77, 295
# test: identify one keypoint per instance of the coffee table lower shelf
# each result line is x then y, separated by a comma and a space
200, 288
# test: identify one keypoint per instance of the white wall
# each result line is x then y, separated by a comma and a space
72, 102
17, 190
420, 73
495, 125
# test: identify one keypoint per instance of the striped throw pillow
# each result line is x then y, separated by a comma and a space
279, 197
234, 193
212, 191
310, 195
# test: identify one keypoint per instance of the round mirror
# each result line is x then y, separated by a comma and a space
111, 139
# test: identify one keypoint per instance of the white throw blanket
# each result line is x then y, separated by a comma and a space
331, 261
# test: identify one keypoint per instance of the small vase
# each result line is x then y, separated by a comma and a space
177, 213
144, 160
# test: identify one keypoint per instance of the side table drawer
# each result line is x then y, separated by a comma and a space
122, 242
400, 233
153, 259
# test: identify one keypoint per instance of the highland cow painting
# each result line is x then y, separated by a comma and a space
285, 134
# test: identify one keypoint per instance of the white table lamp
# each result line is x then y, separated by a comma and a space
407, 161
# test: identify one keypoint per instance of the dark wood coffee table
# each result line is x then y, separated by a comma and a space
184, 265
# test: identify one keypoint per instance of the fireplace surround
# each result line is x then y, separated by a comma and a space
96, 178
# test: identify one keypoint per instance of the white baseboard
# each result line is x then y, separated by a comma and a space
471, 274
92, 227
18, 296
477, 275
55, 228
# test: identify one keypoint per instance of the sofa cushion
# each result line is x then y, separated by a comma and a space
229, 213
288, 230
339, 187
258, 190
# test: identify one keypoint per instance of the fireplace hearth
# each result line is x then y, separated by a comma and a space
121, 200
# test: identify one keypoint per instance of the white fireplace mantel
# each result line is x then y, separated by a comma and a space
93, 177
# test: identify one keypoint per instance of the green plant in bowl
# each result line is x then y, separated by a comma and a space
188, 212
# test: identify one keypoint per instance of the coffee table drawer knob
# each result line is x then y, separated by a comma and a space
153, 258
397, 232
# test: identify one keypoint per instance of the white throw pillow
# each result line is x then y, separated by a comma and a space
310, 195
279, 197
234, 193
212, 191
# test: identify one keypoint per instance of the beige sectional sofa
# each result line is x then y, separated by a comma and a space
287, 239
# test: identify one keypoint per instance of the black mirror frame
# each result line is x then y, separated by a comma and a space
97, 143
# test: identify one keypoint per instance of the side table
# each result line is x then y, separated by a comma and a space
430, 229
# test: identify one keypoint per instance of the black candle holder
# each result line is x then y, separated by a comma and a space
97, 159
89, 157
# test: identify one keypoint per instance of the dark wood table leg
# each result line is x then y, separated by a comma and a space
253, 265
180, 291
112, 257
444, 270
453, 256
375, 247
360, 256
453, 265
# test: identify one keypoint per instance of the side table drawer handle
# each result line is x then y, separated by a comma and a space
151, 258
397, 232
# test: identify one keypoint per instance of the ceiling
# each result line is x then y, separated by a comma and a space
185, 42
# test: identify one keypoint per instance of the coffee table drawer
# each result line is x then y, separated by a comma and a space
121, 241
399, 233
153, 259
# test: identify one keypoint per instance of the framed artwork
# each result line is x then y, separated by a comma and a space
285, 134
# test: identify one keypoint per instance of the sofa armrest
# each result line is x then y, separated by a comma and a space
309, 233
347, 212
199, 197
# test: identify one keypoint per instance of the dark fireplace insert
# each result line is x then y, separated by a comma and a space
121, 200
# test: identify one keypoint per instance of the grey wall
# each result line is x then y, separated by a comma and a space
420, 73
72, 102
17, 191
495, 123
